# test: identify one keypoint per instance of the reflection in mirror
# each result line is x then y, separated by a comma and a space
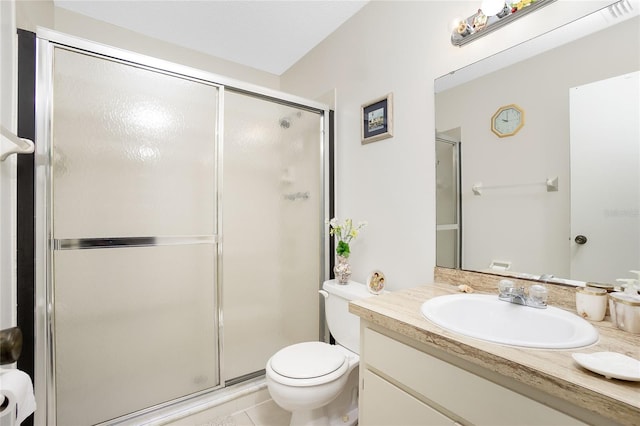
448, 236
580, 104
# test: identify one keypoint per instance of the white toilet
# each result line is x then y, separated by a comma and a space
316, 381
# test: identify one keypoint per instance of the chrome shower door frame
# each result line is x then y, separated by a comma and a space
44, 352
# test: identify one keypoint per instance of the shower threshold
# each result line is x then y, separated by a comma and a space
254, 391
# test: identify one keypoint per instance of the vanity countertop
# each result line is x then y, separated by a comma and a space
551, 371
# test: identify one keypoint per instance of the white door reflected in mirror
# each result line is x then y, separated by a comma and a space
605, 201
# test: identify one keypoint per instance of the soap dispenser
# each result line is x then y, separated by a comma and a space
625, 305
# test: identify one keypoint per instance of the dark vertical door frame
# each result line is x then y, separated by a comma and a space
332, 211
25, 214
332, 196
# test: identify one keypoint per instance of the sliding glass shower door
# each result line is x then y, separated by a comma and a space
133, 232
272, 229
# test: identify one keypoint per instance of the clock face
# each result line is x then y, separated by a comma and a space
507, 121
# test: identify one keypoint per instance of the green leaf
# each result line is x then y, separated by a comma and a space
343, 249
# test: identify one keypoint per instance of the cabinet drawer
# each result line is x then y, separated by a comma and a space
469, 396
384, 404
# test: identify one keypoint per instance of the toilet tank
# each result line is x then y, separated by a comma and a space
343, 325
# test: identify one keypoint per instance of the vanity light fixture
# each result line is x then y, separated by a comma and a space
492, 7
492, 15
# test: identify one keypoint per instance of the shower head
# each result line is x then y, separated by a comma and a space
285, 122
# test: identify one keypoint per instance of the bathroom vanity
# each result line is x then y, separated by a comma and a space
413, 372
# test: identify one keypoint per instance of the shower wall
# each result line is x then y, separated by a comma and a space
271, 237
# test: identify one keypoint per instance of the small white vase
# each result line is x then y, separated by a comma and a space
342, 269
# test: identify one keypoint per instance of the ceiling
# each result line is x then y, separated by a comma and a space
267, 35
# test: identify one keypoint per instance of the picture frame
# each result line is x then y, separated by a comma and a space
375, 282
377, 119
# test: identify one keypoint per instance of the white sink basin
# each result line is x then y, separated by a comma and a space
487, 318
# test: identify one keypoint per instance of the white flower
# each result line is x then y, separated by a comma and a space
344, 233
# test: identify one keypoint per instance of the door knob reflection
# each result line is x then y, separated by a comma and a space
580, 239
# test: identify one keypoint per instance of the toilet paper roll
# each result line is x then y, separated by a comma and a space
17, 389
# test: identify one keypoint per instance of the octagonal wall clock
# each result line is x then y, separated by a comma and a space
507, 121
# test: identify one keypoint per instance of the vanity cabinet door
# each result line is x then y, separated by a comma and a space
383, 404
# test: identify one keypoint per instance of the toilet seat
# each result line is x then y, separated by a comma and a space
307, 364
307, 360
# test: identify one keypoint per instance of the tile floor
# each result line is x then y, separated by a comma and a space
266, 413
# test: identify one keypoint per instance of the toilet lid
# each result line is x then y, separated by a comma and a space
307, 360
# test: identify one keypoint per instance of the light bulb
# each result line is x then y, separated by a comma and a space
454, 24
492, 7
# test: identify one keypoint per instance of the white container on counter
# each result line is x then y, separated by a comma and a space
591, 303
625, 311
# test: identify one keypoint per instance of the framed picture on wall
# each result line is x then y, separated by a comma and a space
377, 119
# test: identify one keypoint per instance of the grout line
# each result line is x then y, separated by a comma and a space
245, 412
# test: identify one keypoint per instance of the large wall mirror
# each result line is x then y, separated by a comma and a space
559, 195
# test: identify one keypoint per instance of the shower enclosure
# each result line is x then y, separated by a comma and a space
179, 231
448, 232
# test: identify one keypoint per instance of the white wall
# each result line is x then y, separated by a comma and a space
399, 47
7, 167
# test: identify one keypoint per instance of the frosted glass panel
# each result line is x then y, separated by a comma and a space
133, 150
446, 183
134, 327
271, 230
447, 248
133, 155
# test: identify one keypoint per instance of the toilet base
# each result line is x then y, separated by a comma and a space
348, 419
342, 411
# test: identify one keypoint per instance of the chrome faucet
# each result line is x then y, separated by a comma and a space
509, 292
